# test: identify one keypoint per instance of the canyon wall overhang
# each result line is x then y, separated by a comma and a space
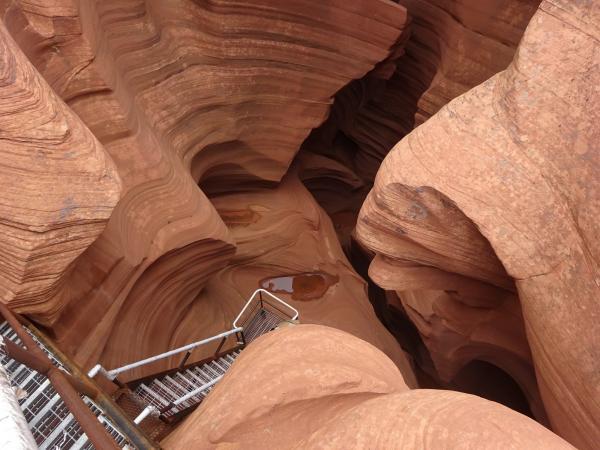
503, 181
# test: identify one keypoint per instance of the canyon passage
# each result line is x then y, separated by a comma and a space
299, 224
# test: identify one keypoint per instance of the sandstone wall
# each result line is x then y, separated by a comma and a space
58, 186
182, 93
517, 157
315, 387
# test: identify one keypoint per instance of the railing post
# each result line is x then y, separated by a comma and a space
115, 372
184, 359
220, 345
241, 338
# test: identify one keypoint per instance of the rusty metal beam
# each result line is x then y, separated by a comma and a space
123, 422
39, 360
94, 430
44, 366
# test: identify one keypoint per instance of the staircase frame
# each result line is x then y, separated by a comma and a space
260, 297
67, 386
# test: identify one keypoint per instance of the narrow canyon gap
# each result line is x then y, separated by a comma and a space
418, 178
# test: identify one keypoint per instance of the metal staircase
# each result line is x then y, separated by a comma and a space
52, 424
262, 322
59, 405
168, 389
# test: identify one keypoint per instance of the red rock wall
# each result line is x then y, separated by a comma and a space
58, 186
278, 232
181, 93
315, 387
482, 222
449, 47
518, 157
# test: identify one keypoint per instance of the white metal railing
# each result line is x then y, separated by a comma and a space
112, 374
152, 410
259, 293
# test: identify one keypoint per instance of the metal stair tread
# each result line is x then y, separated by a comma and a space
174, 385
162, 401
196, 378
205, 376
55, 418
44, 410
70, 423
35, 394
171, 395
185, 381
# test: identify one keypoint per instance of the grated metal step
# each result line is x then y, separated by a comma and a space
262, 322
50, 421
166, 389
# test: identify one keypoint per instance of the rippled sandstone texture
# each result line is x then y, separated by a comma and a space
484, 220
450, 47
506, 176
58, 186
310, 386
278, 232
180, 93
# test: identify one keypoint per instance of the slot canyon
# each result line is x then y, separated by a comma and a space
419, 179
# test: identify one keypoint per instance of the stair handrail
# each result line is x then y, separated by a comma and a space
260, 292
112, 374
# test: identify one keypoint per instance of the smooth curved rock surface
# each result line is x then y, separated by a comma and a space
431, 419
454, 46
288, 382
315, 387
449, 47
180, 119
526, 141
279, 232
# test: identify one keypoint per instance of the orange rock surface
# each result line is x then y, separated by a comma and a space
162, 159
58, 186
286, 234
449, 47
315, 387
184, 93
506, 176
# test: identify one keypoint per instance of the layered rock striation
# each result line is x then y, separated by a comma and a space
285, 243
182, 93
59, 186
501, 185
448, 48
151, 180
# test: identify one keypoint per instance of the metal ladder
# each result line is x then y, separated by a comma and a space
50, 421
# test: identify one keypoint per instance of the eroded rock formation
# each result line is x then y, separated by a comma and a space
514, 162
57, 183
156, 170
181, 93
282, 237
450, 47
316, 387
